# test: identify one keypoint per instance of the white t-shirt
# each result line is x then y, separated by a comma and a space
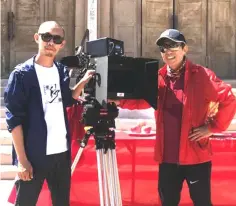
49, 83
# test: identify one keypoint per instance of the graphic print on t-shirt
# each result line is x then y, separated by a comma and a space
52, 93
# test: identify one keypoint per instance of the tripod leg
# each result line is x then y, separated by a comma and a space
114, 189
76, 160
110, 178
100, 180
116, 179
105, 181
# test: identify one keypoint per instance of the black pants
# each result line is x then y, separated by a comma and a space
58, 177
172, 176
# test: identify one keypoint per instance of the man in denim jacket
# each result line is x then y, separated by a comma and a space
36, 98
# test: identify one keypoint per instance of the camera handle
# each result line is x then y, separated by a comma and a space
97, 77
84, 141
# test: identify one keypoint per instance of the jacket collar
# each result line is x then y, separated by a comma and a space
29, 64
189, 68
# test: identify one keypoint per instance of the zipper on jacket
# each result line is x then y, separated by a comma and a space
161, 108
186, 79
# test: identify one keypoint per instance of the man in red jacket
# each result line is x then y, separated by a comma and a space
183, 121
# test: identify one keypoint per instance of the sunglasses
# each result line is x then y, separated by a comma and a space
171, 47
47, 37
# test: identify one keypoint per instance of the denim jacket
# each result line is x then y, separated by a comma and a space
24, 107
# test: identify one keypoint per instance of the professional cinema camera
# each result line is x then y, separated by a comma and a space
117, 77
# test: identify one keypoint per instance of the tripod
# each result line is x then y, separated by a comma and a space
108, 177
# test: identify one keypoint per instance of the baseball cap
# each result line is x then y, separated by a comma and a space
171, 34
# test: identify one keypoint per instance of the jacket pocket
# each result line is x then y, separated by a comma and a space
203, 144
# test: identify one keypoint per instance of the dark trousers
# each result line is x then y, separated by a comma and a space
172, 176
58, 177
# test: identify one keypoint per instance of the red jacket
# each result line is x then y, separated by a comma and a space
201, 87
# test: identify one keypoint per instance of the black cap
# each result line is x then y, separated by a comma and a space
171, 34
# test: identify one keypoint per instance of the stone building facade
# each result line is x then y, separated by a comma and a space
209, 26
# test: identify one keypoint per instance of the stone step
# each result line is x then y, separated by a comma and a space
2, 101
2, 91
2, 112
5, 137
8, 172
5, 189
3, 82
5, 154
3, 124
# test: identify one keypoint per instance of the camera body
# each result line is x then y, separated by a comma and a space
117, 77
124, 77
105, 47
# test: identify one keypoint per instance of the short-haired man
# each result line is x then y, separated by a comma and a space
184, 125
36, 98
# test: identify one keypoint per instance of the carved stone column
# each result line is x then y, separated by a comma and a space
80, 20
104, 18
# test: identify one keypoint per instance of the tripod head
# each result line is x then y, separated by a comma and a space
104, 138
101, 122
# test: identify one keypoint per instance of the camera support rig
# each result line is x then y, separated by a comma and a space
99, 116
104, 135
103, 121
117, 76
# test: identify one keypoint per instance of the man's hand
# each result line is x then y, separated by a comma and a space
88, 75
77, 89
200, 133
25, 170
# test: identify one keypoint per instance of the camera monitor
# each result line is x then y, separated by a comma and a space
127, 78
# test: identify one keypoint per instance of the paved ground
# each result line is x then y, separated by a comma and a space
5, 188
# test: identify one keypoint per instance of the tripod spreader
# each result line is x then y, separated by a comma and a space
105, 141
